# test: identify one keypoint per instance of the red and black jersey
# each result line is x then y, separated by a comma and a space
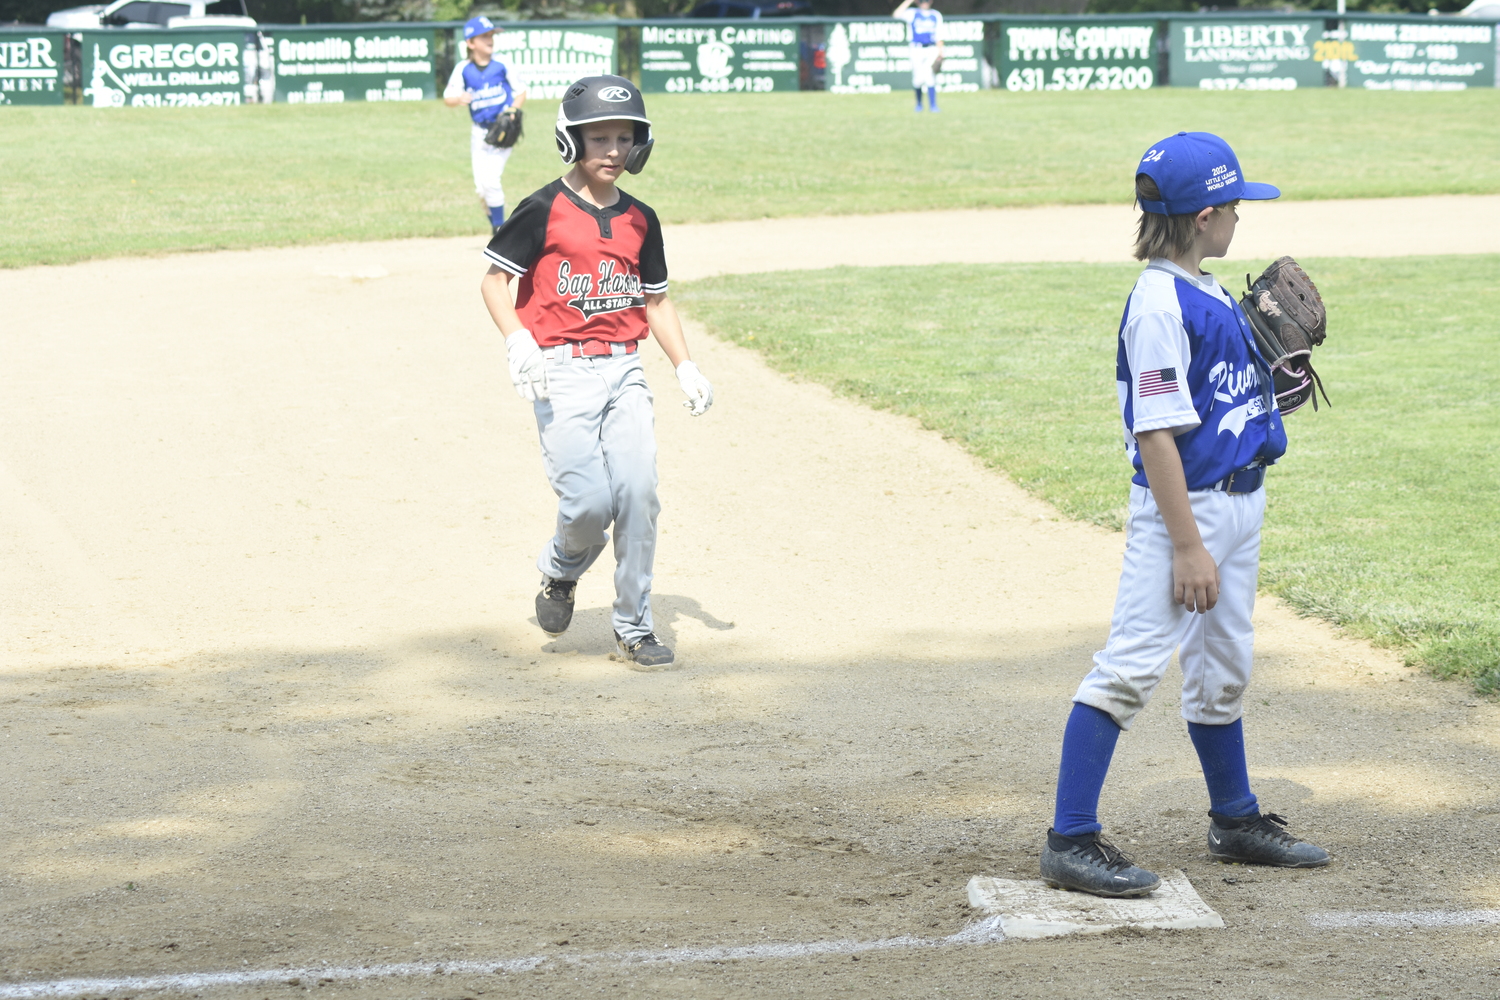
584, 271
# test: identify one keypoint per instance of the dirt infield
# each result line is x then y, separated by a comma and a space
276, 700
1369, 227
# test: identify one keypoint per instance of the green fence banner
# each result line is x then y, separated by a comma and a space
383, 62
1406, 55
1225, 54
874, 57
547, 60
31, 66
1091, 55
719, 57
161, 68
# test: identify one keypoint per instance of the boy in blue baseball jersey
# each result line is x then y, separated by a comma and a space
925, 25
488, 86
1201, 426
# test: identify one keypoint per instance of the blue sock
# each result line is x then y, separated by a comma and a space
919, 98
1088, 744
1221, 751
931, 98
497, 216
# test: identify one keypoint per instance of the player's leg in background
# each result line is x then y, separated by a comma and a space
488, 163
1146, 627
1217, 652
922, 77
628, 438
568, 427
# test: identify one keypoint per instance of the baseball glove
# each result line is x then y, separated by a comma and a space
505, 130
937, 64
1287, 315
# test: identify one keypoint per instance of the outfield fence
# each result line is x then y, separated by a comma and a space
410, 61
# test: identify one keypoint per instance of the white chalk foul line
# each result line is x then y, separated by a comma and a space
1410, 919
986, 931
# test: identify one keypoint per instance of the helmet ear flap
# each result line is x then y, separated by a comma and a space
567, 144
635, 160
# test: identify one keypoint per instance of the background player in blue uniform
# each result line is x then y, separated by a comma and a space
488, 86
1201, 425
926, 47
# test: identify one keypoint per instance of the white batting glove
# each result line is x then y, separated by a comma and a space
700, 393
528, 366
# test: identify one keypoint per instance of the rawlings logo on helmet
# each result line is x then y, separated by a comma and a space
615, 95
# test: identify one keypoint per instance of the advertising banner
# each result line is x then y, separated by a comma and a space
874, 57
1245, 55
1389, 55
31, 66
1089, 55
161, 68
719, 57
547, 60
383, 62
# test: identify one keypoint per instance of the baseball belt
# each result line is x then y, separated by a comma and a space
1242, 481
589, 349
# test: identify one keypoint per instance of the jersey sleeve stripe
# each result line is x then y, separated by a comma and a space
504, 264
654, 288
1182, 420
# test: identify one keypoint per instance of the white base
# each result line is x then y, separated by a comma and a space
1032, 910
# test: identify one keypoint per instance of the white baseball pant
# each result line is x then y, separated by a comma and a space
922, 58
488, 163
1214, 648
598, 434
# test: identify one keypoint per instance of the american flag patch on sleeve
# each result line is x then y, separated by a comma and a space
1158, 383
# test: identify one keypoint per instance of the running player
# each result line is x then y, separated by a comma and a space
592, 284
926, 47
488, 86
1201, 425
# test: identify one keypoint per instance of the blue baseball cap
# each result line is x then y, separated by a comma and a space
480, 25
1195, 170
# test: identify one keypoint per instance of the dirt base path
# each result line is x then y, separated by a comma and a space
1369, 227
276, 701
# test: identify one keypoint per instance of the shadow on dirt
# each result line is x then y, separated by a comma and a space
461, 791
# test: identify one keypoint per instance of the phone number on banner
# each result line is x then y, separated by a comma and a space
1082, 78
1248, 83
188, 100
739, 84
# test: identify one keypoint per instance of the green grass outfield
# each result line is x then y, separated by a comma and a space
1382, 517
82, 182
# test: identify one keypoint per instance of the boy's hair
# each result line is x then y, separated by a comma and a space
1163, 235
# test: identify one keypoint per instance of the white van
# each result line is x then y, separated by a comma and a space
154, 14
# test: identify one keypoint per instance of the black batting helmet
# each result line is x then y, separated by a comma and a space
602, 99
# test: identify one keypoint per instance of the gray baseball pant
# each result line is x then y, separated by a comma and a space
598, 435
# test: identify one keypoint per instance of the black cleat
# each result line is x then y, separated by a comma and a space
554, 605
1261, 839
1090, 864
647, 651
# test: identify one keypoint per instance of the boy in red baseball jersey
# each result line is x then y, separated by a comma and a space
592, 284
